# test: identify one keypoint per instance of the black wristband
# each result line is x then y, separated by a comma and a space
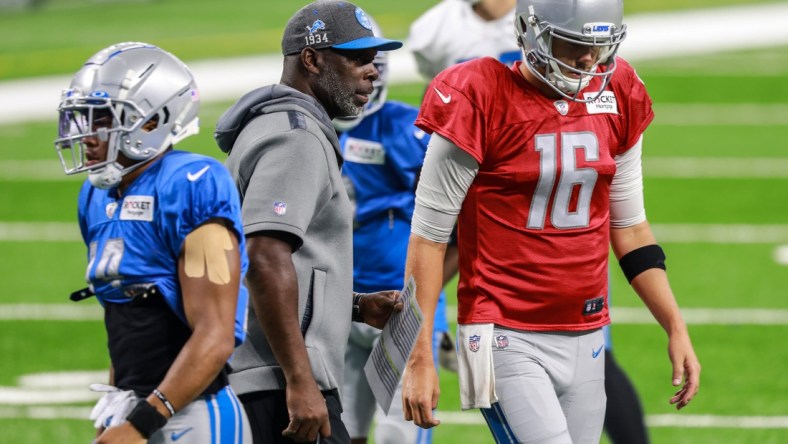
164, 401
146, 419
641, 259
357, 317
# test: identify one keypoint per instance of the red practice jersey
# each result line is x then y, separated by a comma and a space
534, 227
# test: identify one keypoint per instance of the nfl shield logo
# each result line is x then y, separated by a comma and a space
110, 209
473, 343
561, 106
280, 208
501, 341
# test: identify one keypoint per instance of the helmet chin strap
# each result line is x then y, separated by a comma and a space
106, 177
564, 83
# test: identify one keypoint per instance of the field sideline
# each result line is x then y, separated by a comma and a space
651, 36
716, 177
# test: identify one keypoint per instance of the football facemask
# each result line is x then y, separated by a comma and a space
136, 98
586, 23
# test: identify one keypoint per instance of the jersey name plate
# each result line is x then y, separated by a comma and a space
137, 208
364, 151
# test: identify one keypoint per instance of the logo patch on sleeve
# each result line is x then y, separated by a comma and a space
604, 104
137, 208
280, 208
364, 151
593, 306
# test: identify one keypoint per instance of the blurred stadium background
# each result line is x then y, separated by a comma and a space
715, 161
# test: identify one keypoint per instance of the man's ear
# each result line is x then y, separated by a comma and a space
312, 59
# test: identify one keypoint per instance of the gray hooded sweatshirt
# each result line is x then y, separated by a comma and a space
285, 158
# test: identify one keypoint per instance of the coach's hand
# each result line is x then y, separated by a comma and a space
308, 412
376, 308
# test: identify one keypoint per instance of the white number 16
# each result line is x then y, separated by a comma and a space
571, 176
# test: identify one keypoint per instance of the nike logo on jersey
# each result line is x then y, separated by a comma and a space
444, 99
194, 176
595, 354
178, 435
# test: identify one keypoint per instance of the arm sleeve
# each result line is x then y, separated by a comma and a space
626, 191
446, 176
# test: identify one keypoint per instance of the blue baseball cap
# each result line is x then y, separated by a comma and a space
332, 24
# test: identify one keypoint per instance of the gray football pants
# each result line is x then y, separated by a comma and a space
209, 419
550, 387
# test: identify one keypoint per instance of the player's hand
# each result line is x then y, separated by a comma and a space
420, 392
121, 434
308, 412
686, 367
376, 308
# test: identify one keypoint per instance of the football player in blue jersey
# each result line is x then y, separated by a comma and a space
166, 253
383, 152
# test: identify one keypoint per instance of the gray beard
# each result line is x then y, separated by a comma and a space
343, 94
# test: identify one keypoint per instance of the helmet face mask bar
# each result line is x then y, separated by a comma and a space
586, 23
137, 98
83, 117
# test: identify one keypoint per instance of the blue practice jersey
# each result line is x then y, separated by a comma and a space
383, 156
137, 239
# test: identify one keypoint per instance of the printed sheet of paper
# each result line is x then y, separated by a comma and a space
388, 358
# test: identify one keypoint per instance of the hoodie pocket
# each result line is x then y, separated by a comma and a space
313, 310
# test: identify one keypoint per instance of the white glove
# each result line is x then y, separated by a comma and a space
112, 408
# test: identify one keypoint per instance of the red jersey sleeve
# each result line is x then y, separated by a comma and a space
638, 113
457, 102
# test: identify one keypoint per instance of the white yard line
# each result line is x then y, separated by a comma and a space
42, 395
469, 418
693, 316
716, 167
40, 232
90, 311
721, 233
705, 316
35, 170
44, 412
19, 396
666, 233
781, 255
721, 114
653, 167
83, 311
666, 420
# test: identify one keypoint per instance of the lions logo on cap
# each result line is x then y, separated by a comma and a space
318, 25
362, 18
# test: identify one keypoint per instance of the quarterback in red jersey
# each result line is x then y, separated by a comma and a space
540, 164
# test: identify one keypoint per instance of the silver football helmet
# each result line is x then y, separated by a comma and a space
138, 98
597, 23
378, 96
